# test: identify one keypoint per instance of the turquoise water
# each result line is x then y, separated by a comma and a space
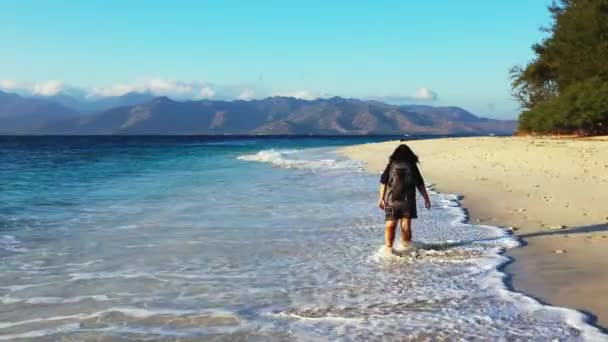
191, 238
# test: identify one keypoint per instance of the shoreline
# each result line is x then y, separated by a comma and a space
550, 192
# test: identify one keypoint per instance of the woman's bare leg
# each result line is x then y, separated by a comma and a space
389, 233
406, 231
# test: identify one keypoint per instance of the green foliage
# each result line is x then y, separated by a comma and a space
582, 108
564, 88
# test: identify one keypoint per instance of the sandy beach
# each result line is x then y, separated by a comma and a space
552, 192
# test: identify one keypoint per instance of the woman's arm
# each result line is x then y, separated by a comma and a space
381, 193
425, 195
421, 187
382, 189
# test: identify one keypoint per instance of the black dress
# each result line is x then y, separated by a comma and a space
409, 209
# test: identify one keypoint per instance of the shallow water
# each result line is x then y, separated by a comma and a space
240, 239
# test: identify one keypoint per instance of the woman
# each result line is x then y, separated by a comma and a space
399, 182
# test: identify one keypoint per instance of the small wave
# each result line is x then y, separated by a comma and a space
61, 300
11, 244
20, 287
148, 245
53, 300
79, 276
10, 300
311, 315
437, 252
287, 159
118, 317
128, 226
40, 333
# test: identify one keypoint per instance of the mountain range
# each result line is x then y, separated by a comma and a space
144, 114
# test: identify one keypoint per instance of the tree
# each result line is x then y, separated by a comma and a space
563, 87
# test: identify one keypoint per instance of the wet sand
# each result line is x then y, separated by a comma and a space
552, 192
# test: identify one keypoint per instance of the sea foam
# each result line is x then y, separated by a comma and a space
293, 159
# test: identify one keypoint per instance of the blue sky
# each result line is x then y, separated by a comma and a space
458, 51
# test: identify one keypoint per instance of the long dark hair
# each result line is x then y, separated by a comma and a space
403, 153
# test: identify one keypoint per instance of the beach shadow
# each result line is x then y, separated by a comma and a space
567, 231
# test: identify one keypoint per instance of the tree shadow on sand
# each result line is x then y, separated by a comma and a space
595, 228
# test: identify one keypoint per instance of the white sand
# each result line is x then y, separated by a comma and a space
537, 186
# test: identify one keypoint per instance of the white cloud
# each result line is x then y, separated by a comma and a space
115, 90
299, 94
48, 88
157, 86
45, 88
246, 94
9, 85
207, 92
425, 94
421, 95
179, 90
161, 87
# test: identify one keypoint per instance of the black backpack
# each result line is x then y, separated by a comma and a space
400, 182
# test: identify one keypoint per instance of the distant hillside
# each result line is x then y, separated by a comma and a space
19, 115
274, 115
91, 106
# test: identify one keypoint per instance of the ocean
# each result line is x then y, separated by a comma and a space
240, 238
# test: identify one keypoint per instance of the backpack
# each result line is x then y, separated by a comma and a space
400, 182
